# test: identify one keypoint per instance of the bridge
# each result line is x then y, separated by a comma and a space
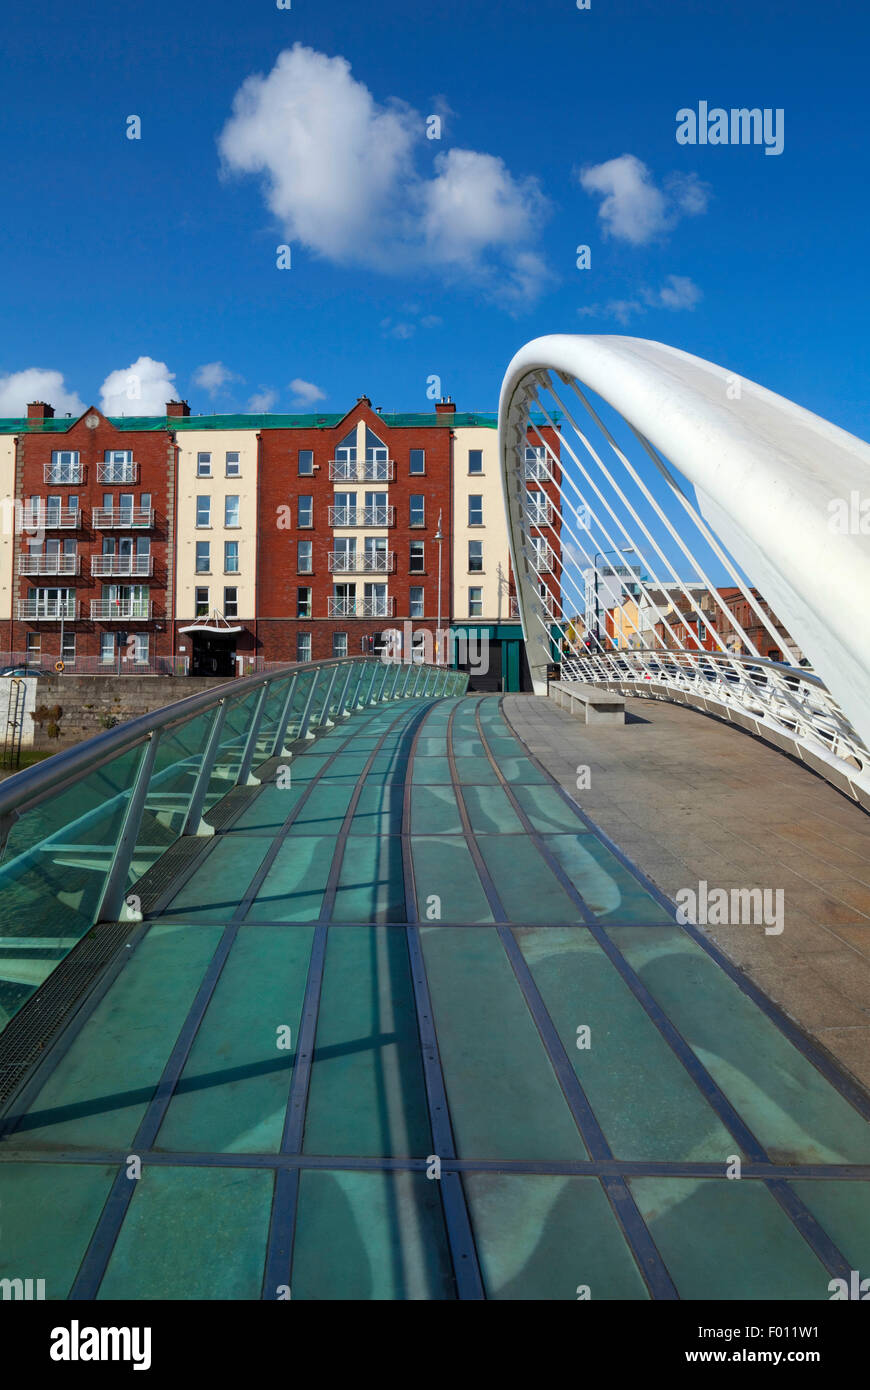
345, 982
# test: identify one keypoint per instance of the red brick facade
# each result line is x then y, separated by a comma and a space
80, 473
279, 578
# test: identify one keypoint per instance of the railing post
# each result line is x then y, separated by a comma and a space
113, 907
193, 821
281, 730
383, 685
245, 777
408, 669
395, 681
306, 713
342, 712
325, 721
355, 702
368, 700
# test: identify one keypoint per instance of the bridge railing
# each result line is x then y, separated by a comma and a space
78, 831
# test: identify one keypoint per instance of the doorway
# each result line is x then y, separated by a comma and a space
212, 655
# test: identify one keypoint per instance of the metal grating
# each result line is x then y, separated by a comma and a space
40, 1019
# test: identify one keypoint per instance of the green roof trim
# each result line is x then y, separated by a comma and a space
180, 423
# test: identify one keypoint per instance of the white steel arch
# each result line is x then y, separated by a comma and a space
727, 477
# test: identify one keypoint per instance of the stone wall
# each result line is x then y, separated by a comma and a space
90, 703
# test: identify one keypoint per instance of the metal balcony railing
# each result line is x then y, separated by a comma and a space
361, 516
51, 518
362, 470
139, 565
369, 562
49, 564
122, 518
361, 607
538, 513
33, 610
67, 474
117, 471
116, 610
536, 469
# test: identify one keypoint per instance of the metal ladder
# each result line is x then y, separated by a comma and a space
14, 723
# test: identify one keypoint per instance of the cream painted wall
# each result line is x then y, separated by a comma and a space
7, 523
493, 532
217, 487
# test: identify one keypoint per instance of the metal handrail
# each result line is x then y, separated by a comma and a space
34, 783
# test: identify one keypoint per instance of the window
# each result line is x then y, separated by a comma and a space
416, 592
416, 563
234, 466
303, 646
231, 557
306, 462
303, 603
475, 509
203, 557
418, 509
231, 511
418, 461
203, 511
303, 557
339, 644
231, 602
203, 465
201, 602
33, 646
475, 460
140, 647
475, 557
107, 648
68, 646
306, 511
475, 601
64, 467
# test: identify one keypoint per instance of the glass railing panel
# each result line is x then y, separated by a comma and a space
237, 724
300, 699
53, 872
176, 766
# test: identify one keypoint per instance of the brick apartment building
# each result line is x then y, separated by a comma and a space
218, 542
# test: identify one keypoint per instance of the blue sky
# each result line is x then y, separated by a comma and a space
415, 257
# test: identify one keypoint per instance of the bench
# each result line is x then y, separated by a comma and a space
588, 702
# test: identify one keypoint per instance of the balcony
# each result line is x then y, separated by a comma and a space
361, 607
138, 565
120, 519
538, 513
375, 562
117, 610
51, 518
35, 610
362, 470
49, 564
66, 474
537, 469
117, 471
361, 516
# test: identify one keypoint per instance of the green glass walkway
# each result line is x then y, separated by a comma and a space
413, 1029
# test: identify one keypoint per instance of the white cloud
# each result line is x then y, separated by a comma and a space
340, 176
18, 389
143, 388
678, 292
633, 209
213, 377
262, 401
306, 391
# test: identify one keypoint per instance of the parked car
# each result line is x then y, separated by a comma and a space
26, 671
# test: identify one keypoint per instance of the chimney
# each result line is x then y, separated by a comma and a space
445, 406
177, 408
38, 410
364, 400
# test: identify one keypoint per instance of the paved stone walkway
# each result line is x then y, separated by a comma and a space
689, 798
